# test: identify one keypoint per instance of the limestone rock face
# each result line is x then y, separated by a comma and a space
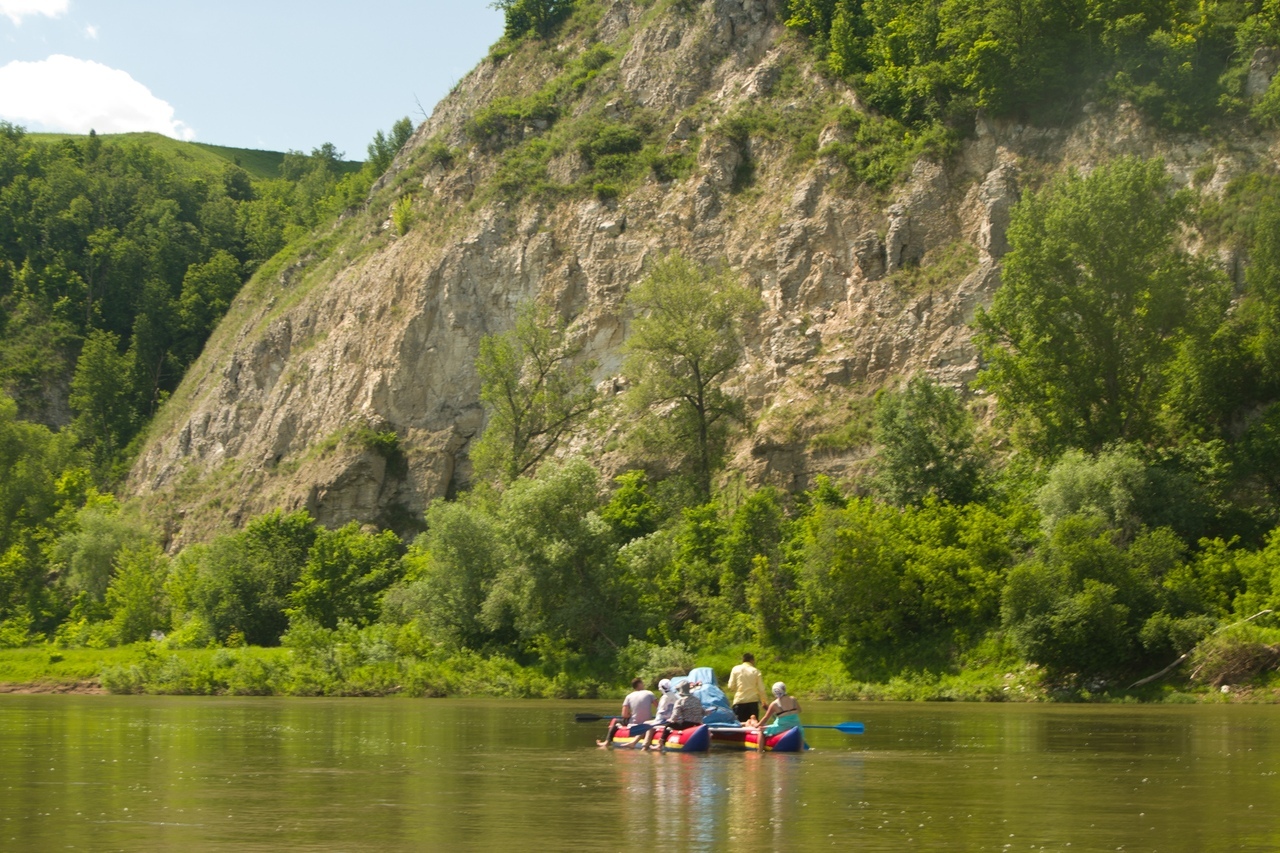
320, 359
1262, 68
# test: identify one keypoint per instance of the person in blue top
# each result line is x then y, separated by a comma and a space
784, 711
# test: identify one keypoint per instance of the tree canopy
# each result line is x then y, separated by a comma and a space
535, 389
685, 339
118, 257
1096, 304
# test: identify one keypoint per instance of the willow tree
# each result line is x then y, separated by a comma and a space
535, 390
685, 340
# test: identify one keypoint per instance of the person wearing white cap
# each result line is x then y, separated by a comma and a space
784, 710
666, 702
687, 713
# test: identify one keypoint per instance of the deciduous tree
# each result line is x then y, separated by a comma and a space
538, 16
685, 340
135, 596
535, 390
103, 397
1096, 303
925, 445
560, 584
346, 572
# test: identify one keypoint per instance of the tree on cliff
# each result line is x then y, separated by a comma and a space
103, 398
534, 392
1097, 303
685, 339
383, 148
539, 16
925, 441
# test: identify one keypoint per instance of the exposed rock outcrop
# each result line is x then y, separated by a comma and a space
320, 355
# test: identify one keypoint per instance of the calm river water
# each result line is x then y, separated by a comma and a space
196, 774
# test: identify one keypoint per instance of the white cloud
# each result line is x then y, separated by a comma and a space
72, 95
16, 10
91, 32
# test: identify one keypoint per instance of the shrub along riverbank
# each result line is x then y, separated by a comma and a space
394, 662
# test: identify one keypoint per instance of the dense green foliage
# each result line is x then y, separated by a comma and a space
685, 340
532, 16
941, 61
119, 257
1117, 524
1120, 510
534, 391
926, 441
1086, 334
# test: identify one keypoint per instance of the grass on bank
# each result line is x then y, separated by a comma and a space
364, 663
41, 666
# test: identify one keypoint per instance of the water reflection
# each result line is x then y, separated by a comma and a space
685, 801
140, 773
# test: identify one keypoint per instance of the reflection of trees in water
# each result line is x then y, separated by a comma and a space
702, 801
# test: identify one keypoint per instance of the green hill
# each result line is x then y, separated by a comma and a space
259, 164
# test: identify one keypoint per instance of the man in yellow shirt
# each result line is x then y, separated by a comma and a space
747, 686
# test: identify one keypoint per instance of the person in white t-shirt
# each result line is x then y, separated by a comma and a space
637, 709
687, 713
666, 703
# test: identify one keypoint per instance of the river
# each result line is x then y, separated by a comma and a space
197, 774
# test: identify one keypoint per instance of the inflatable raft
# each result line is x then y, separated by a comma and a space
733, 737
721, 728
696, 739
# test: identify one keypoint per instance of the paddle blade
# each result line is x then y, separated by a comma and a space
591, 718
847, 728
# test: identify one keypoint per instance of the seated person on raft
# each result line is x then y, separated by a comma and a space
637, 709
784, 711
687, 713
666, 702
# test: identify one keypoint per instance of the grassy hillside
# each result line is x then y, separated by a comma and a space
261, 165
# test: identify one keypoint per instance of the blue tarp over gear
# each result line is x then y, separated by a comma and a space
715, 704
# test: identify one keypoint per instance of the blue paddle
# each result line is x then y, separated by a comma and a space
847, 728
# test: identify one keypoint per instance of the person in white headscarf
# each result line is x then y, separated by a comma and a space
784, 711
687, 713
666, 702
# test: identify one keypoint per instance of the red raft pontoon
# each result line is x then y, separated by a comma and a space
695, 739
734, 737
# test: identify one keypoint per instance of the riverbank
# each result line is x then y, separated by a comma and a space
90, 687
148, 668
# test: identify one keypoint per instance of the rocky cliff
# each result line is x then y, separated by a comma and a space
370, 331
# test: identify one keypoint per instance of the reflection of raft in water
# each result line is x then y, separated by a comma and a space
733, 737
695, 739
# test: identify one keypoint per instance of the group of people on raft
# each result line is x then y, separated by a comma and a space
679, 708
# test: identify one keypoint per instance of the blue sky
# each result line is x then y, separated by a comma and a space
272, 74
